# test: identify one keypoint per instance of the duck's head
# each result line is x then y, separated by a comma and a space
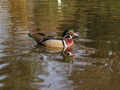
69, 32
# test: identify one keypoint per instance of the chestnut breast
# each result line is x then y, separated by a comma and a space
69, 42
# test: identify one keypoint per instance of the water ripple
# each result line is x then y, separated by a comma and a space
4, 65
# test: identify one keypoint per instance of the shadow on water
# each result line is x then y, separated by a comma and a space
24, 66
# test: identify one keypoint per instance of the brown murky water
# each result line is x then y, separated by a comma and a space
25, 66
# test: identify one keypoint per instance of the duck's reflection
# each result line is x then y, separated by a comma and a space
59, 53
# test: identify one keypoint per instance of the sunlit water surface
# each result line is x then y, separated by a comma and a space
25, 66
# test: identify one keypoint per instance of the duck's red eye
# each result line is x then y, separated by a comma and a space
71, 33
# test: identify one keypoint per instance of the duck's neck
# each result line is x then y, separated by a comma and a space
68, 42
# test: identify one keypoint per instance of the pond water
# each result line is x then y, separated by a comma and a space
25, 66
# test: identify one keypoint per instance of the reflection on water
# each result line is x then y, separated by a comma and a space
25, 66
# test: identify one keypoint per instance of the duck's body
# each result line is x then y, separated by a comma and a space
53, 43
65, 42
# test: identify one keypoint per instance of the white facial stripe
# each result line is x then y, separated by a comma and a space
70, 36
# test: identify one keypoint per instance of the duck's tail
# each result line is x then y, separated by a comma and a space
37, 38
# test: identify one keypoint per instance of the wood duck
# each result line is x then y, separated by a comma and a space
66, 42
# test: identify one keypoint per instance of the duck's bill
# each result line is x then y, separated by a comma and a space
76, 34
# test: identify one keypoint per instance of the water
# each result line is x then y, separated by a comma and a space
25, 66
